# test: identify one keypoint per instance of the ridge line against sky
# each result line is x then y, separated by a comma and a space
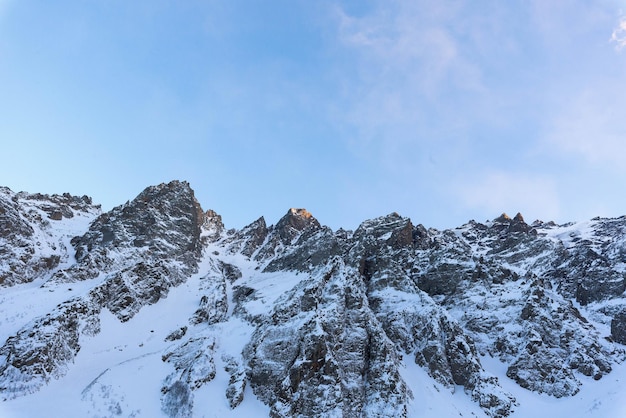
442, 111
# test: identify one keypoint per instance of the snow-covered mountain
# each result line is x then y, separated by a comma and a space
155, 309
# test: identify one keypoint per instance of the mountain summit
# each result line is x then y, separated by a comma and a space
155, 309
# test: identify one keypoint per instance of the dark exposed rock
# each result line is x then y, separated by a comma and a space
518, 225
413, 321
161, 226
618, 327
143, 249
194, 366
294, 222
314, 248
230, 272
127, 291
552, 346
193, 373
540, 339
505, 225
249, 239
589, 269
330, 358
443, 279
164, 219
289, 229
213, 302
236, 381
212, 226
44, 349
588, 276
29, 247
176, 334
393, 230
504, 218
421, 238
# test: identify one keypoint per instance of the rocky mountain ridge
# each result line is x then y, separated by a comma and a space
309, 321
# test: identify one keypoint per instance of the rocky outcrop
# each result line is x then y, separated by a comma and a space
236, 381
162, 223
321, 352
333, 344
314, 248
45, 348
618, 327
385, 249
214, 300
140, 249
247, 240
500, 284
316, 322
193, 367
555, 342
295, 225
212, 226
589, 268
125, 292
30, 246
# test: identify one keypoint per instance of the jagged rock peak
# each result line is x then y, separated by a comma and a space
294, 222
503, 218
299, 218
212, 225
55, 206
300, 212
167, 215
505, 224
248, 239
165, 190
383, 225
392, 229
518, 225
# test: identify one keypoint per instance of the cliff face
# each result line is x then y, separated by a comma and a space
305, 320
35, 233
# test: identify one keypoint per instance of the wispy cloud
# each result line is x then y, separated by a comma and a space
408, 56
592, 125
619, 34
415, 43
534, 196
451, 83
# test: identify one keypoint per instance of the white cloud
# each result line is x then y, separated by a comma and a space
405, 41
619, 34
592, 125
451, 82
534, 196
408, 57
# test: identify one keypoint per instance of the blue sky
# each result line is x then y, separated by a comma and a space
442, 111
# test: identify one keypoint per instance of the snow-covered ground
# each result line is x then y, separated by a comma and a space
605, 398
120, 372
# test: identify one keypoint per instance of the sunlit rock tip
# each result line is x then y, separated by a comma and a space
300, 212
503, 218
